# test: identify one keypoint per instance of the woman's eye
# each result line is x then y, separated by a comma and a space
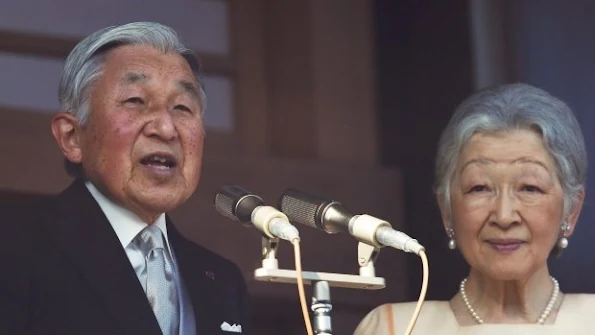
478, 188
532, 189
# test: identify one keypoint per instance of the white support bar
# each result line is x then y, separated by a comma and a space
334, 279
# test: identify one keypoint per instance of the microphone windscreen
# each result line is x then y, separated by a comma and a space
302, 207
224, 205
237, 203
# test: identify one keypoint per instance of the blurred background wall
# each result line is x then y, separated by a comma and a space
342, 98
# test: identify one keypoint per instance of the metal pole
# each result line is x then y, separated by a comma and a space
321, 308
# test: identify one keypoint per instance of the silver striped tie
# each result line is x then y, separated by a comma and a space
161, 284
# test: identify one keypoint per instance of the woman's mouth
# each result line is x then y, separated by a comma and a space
505, 246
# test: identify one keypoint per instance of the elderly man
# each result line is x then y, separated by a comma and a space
102, 257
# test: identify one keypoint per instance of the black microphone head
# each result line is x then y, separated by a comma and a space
237, 203
301, 207
310, 210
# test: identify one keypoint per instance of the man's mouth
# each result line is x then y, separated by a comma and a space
161, 161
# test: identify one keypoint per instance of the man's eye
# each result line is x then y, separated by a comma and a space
134, 100
183, 108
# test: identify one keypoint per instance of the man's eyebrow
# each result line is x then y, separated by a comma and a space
186, 85
134, 77
190, 88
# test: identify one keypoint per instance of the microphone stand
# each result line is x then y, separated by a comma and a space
322, 307
321, 281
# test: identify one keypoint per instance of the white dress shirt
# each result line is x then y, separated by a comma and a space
127, 225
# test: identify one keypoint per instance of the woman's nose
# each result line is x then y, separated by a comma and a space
506, 211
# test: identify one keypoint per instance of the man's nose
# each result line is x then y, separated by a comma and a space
161, 125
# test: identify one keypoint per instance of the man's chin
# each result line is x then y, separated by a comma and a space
146, 196
149, 208
163, 205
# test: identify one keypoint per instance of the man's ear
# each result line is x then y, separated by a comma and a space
66, 131
575, 211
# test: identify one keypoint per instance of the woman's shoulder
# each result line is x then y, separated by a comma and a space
580, 298
576, 313
576, 303
397, 316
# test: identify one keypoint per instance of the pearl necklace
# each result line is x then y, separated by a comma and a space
542, 318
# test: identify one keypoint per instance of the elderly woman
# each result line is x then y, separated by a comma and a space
510, 174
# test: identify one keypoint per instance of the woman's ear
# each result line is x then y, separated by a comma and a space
66, 131
444, 212
575, 211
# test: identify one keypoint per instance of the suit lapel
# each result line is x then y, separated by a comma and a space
84, 233
201, 283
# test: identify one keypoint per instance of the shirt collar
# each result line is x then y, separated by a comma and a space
125, 223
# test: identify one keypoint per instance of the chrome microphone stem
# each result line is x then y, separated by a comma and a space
321, 308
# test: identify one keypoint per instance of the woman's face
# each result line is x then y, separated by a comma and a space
506, 204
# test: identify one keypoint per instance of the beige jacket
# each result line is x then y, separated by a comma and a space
576, 316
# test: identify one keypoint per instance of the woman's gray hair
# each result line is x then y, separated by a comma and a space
512, 107
84, 64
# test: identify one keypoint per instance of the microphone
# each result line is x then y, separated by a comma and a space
241, 205
332, 217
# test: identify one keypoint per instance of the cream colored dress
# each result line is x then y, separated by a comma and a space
576, 316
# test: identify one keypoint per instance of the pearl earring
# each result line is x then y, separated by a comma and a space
563, 241
452, 243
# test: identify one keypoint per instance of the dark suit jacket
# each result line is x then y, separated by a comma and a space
64, 271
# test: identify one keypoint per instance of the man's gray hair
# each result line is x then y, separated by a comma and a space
84, 64
512, 107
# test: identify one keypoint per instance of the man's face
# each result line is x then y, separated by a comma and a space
143, 143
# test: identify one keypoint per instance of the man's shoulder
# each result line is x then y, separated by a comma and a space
22, 229
40, 206
21, 215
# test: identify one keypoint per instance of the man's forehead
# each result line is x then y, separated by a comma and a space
186, 85
147, 60
134, 77
134, 72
